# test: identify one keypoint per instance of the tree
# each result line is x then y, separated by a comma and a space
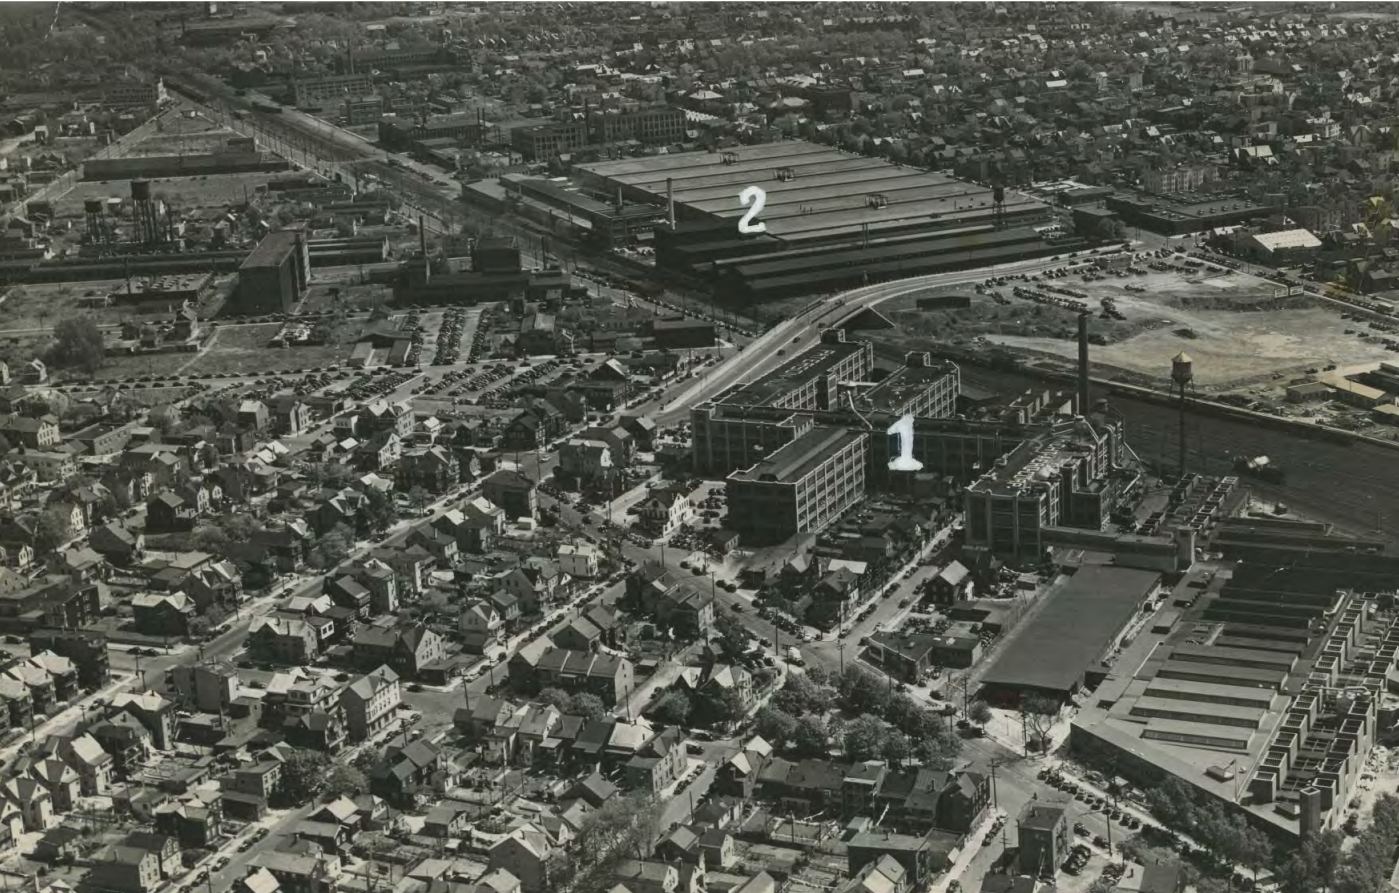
811, 735
620, 829
863, 691
673, 709
897, 747
723, 706
777, 726
333, 548
732, 637
979, 712
864, 738
5, 445
53, 528
379, 514
1039, 713
799, 696
345, 781
554, 697
1170, 801
419, 498
589, 706
303, 776
78, 344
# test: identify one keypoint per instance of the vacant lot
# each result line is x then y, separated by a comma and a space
40, 305
1231, 325
182, 136
243, 349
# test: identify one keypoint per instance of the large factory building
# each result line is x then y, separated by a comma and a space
831, 219
275, 275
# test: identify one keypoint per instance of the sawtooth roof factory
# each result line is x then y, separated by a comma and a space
832, 219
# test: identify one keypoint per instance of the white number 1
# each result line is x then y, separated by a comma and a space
903, 430
755, 196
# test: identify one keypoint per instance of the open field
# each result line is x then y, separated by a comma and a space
178, 135
41, 304
1237, 333
158, 364
244, 349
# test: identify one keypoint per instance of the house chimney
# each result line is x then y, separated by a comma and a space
1083, 406
670, 201
619, 198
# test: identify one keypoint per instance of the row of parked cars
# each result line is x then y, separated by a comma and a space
449, 337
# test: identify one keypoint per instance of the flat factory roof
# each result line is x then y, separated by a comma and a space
271, 251
1073, 629
800, 457
810, 190
810, 364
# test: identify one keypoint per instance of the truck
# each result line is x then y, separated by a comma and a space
1260, 468
794, 656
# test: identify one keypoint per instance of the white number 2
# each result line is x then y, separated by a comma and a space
903, 430
755, 196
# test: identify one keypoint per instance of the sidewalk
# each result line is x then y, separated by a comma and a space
970, 850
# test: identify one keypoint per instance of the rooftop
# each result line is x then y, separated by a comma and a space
1073, 629
800, 457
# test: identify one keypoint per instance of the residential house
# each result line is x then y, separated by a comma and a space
433, 468
87, 649
528, 853
658, 764
535, 583
482, 627
163, 613
408, 650
291, 417
370, 703
579, 560
126, 869
717, 691
120, 546
586, 461
663, 511
512, 492
283, 640
403, 773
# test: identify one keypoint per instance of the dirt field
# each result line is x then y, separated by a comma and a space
183, 136
244, 349
1233, 327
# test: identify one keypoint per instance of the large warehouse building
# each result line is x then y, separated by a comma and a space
831, 218
1262, 686
1066, 642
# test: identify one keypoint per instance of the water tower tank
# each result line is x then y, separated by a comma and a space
141, 190
92, 205
1182, 371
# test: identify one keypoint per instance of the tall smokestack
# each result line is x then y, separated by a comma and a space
670, 201
422, 234
1083, 405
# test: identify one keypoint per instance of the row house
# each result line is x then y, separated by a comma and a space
413, 651
608, 676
